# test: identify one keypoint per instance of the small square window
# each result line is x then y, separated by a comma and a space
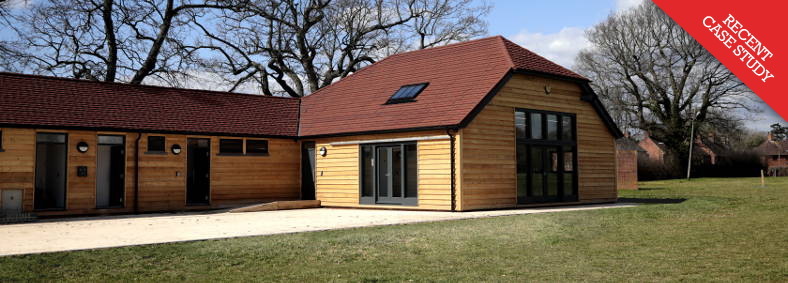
407, 93
231, 146
156, 143
257, 147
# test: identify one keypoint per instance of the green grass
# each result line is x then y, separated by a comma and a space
726, 229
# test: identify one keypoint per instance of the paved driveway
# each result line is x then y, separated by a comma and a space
116, 231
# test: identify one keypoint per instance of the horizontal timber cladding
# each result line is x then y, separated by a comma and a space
488, 151
337, 173
235, 180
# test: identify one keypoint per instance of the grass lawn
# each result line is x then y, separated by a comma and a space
725, 229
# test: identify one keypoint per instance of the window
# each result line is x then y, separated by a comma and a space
407, 93
231, 146
546, 156
257, 147
1, 141
156, 144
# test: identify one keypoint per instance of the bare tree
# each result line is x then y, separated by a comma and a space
103, 40
293, 47
656, 77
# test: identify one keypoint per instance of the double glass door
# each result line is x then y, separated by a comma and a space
388, 174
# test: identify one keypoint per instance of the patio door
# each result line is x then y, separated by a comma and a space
198, 167
389, 175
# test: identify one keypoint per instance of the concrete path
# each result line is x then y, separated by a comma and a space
116, 231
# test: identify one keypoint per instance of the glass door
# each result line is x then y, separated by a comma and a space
388, 174
546, 156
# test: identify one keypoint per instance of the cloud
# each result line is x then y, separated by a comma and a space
626, 4
561, 47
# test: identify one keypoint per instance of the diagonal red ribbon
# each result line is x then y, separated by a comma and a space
746, 36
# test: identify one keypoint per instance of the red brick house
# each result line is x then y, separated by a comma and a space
774, 155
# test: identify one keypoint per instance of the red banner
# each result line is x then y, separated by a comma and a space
746, 36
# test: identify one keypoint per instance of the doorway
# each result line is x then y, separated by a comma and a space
110, 171
308, 170
389, 174
51, 160
546, 156
198, 167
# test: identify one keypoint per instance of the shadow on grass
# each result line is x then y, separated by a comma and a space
651, 189
652, 200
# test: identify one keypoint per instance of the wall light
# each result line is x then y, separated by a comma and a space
176, 149
323, 151
82, 147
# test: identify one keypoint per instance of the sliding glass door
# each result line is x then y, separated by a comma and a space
388, 174
546, 156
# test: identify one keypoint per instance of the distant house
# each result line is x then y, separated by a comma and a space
627, 151
774, 155
704, 147
483, 124
653, 149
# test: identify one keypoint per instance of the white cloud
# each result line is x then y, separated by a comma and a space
626, 4
560, 47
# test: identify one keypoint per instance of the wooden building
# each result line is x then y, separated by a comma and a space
483, 124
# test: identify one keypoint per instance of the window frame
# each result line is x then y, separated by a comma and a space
412, 98
224, 153
148, 145
267, 147
527, 142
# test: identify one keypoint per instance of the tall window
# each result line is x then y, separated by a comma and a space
546, 156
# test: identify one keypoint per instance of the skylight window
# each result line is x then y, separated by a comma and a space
407, 93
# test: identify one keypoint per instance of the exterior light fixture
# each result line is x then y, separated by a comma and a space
323, 151
82, 147
176, 149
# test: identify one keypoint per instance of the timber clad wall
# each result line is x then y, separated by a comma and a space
234, 179
489, 160
337, 173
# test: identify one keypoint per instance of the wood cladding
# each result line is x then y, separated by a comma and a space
162, 187
488, 152
338, 171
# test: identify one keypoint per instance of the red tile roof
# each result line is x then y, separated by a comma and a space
56, 102
459, 76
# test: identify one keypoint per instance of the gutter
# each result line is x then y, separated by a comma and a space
450, 131
137, 172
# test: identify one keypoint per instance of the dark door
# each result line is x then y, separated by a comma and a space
308, 170
198, 163
549, 172
51, 158
110, 171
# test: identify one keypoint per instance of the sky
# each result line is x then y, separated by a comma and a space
555, 29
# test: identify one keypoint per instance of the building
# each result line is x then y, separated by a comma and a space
653, 149
774, 155
482, 124
627, 151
